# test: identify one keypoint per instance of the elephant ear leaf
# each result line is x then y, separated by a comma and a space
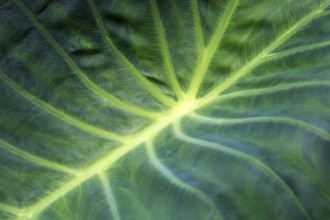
150, 109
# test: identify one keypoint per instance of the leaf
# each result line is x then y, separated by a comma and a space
164, 110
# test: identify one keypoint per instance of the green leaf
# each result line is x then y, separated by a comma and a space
149, 109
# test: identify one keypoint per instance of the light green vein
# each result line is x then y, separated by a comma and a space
260, 58
37, 160
165, 50
59, 114
167, 173
264, 119
106, 161
299, 49
37, 73
81, 75
259, 164
125, 62
273, 89
10, 209
198, 26
211, 48
110, 196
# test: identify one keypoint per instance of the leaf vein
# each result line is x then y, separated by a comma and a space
207, 54
172, 76
59, 114
175, 180
77, 71
107, 160
198, 26
264, 91
125, 62
239, 154
37, 160
261, 57
11, 209
110, 196
295, 50
264, 119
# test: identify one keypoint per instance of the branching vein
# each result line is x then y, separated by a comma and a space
211, 48
165, 51
37, 160
109, 159
198, 25
299, 49
10, 209
169, 175
76, 69
59, 114
259, 164
273, 89
261, 57
125, 62
264, 119
110, 196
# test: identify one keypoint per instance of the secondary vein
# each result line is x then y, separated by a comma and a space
210, 49
110, 196
239, 154
171, 177
60, 114
171, 74
261, 57
37, 160
125, 62
77, 71
264, 119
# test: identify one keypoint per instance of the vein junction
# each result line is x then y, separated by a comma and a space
101, 165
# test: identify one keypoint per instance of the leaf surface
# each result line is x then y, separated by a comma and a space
200, 109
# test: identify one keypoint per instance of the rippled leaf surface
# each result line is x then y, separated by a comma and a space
137, 110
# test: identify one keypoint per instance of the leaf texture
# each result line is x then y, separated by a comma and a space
149, 109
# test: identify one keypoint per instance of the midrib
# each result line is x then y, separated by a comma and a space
176, 113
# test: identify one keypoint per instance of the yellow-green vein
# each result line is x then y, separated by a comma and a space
264, 119
299, 49
36, 71
210, 49
264, 91
241, 155
37, 160
198, 26
244, 70
10, 209
167, 173
165, 51
109, 159
81, 75
59, 114
110, 196
125, 62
